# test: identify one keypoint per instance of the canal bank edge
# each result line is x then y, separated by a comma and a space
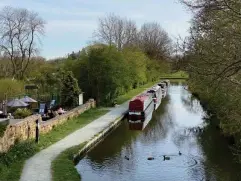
97, 139
63, 167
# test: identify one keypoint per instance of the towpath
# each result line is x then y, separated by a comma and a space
38, 167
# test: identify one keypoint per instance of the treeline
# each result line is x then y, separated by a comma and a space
121, 57
212, 54
104, 73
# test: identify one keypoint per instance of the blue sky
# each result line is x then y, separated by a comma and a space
71, 23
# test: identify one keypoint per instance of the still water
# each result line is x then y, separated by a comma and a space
204, 154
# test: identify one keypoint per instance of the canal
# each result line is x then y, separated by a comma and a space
205, 155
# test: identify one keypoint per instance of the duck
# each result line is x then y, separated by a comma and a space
179, 153
166, 157
150, 158
127, 158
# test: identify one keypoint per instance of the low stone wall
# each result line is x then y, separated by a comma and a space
22, 130
26, 129
50, 124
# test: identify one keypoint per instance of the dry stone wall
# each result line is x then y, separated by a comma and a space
26, 128
20, 131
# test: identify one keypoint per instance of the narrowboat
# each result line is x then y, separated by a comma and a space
167, 82
156, 92
140, 111
163, 89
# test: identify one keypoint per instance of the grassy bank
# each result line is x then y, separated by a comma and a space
123, 98
11, 163
63, 167
176, 75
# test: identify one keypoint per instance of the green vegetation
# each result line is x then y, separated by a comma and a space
105, 73
123, 98
22, 113
10, 88
11, 163
2, 129
69, 90
176, 75
214, 65
63, 166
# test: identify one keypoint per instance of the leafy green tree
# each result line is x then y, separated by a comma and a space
214, 65
11, 88
69, 91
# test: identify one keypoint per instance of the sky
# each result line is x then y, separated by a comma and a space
71, 23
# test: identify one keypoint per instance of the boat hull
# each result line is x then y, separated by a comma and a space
140, 124
158, 103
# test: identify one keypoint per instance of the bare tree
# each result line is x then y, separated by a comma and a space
155, 41
20, 32
117, 31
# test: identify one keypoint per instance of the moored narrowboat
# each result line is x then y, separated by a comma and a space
163, 89
140, 111
156, 92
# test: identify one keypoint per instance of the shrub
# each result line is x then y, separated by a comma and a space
19, 151
22, 113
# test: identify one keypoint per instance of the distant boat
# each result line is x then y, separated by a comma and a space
156, 92
164, 87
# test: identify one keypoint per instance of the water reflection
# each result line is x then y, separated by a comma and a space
205, 156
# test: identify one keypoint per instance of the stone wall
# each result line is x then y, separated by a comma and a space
22, 130
26, 128
50, 124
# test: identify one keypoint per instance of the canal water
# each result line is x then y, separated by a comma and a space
205, 155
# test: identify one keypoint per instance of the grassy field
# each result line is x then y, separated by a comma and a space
63, 167
11, 163
176, 75
123, 98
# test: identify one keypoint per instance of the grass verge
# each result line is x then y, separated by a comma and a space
176, 75
63, 167
125, 97
11, 163
2, 129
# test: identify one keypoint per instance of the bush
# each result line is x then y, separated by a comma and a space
19, 151
22, 113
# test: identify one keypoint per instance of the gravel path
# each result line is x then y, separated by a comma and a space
38, 167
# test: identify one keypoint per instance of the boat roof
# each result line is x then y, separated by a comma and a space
161, 83
141, 97
154, 88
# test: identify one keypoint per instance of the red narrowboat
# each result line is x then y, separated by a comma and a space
140, 111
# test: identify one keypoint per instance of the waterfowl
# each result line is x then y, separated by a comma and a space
127, 158
150, 158
179, 153
166, 157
